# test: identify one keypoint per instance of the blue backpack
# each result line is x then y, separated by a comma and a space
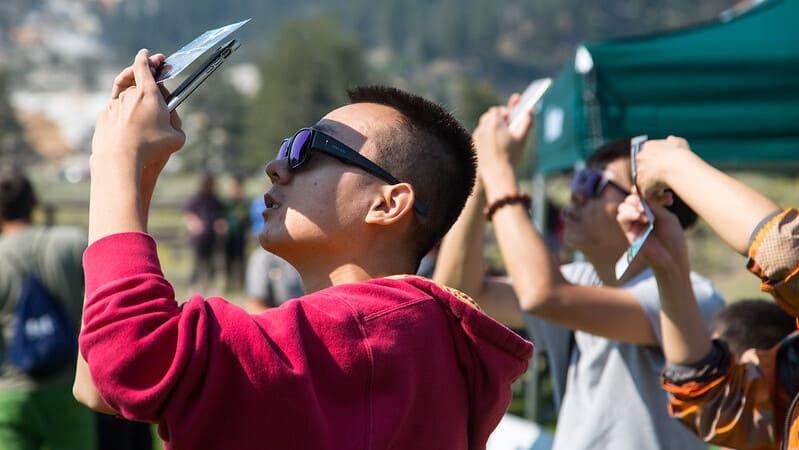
44, 341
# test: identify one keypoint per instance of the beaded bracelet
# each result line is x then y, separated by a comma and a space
510, 199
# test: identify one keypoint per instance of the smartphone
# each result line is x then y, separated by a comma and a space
193, 81
532, 94
636, 144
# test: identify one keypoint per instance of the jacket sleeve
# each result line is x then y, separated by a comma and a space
207, 360
774, 257
738, 405
135, 338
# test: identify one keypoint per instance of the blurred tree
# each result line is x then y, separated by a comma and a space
311, 65
475, 98
167, 25
510, 41
215, 122
13, 147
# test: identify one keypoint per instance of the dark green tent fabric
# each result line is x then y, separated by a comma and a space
731, 88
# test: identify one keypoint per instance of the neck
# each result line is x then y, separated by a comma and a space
14, 226
316, 276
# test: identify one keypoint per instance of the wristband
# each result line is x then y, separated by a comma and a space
509, 199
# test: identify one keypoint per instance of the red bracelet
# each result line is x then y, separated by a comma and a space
510, 199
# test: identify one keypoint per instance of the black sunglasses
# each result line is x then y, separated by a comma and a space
592, 182
298, 151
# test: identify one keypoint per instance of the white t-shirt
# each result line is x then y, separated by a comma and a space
609, 392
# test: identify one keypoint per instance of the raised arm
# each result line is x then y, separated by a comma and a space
133, 139
460, 263
671, 163
685, 337
521, 245
535, 273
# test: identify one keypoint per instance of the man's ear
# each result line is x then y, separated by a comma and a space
393, 204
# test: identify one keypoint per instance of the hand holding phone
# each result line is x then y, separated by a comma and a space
530, 97
181, 59
627, 258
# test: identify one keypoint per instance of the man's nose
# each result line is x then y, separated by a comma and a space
278, 171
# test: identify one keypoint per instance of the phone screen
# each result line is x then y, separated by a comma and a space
531, 95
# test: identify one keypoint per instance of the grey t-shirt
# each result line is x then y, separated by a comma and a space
271, 279
609, 392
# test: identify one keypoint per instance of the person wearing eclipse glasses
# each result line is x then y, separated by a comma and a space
601, 335
369, 358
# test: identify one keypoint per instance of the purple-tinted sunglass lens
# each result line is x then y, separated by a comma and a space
592, 184
577, 181
296, 154
587, 182
284, 147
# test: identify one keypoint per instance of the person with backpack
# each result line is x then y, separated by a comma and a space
41, 295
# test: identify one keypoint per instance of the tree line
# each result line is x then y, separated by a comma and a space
467, 54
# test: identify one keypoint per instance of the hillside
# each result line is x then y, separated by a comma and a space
61, 55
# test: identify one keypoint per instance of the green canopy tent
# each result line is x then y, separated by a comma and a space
730, 87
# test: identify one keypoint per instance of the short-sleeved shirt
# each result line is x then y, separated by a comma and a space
608, 391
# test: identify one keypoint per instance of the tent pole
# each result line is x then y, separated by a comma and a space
531, 391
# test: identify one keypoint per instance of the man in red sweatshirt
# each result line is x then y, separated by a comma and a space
368, 359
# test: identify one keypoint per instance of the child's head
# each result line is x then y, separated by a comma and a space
752, 323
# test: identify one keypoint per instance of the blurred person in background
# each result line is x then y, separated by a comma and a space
204, 217
751, 323
38, 412
237, 218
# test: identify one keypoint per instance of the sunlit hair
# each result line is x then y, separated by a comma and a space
752, 323
430, 150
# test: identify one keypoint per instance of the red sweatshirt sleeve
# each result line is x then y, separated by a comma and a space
207, 361
134, 337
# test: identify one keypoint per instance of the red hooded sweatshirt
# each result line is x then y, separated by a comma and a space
390, 363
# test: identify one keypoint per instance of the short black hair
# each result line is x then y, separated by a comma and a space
17, 198
431, 151
620, 148
752, 323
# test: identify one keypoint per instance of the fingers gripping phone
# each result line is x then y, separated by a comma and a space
193, 81
530, 97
